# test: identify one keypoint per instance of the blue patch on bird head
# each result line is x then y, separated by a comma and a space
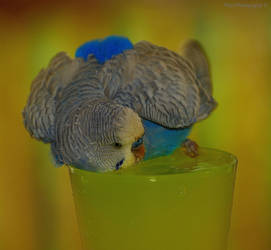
104, 49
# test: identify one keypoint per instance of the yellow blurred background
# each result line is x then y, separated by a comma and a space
36, 207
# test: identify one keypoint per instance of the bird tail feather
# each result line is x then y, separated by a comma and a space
193, 52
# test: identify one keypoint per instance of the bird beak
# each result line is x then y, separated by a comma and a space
139, 152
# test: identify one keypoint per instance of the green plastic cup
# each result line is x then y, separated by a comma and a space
168, 203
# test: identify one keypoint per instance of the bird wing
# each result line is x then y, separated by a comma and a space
158, 84
46, 88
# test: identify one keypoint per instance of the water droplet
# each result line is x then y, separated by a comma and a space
182, 191
152, 179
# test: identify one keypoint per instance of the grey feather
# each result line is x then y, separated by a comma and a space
39, 112
158, 84
193, 52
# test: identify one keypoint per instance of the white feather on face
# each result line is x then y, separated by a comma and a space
130, 126
132, 130
129, 129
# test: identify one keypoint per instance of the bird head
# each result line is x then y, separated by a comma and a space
103, 136
122, 143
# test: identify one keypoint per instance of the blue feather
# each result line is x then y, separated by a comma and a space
104, 49
159, 140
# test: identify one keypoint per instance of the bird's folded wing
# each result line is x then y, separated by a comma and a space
46, 92
160, 85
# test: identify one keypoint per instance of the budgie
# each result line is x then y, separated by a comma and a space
99, 110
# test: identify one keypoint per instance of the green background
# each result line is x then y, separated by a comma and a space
36, 207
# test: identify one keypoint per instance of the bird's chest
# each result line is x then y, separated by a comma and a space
159, 140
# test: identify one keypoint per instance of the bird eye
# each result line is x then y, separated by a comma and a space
138, 143
118, 145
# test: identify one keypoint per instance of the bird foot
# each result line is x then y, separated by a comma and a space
190, 148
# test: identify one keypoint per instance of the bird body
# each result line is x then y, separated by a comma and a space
94, 109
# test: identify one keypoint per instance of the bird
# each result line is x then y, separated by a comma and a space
169, 91
117, 103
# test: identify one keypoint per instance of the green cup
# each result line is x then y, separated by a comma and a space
168, 203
